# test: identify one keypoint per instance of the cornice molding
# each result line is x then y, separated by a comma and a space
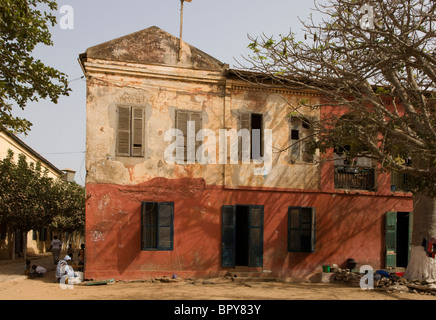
153, 71
254, 87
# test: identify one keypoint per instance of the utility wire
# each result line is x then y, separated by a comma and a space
63, 152
76, 79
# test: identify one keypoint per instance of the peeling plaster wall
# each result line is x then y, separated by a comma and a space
220, 107
160, 98
275, 108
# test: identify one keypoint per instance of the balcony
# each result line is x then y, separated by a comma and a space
354, 177
400, 182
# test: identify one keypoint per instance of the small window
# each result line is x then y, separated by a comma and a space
301, 229
43, 235
157, 225
300, 138
130, 131
295, 134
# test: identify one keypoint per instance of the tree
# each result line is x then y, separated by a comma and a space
25, 189
70, 215
374, 61
30, 200
22, 77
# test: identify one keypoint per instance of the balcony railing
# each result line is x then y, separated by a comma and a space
399, 181
354, 177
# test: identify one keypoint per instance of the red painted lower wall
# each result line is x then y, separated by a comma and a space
347, 226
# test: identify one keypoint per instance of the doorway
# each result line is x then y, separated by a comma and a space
242, 236
398, 238
402, 239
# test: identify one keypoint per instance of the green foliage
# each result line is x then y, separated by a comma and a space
22, 77
29, 199
71, 207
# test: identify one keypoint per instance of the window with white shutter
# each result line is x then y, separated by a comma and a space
130, 131
183, 119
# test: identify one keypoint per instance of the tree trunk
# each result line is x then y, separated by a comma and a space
422, 267
13, 244
24, 235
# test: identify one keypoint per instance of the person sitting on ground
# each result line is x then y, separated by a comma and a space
37, 271
62, 269
27, 268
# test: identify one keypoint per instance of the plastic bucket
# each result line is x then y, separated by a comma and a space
326, 268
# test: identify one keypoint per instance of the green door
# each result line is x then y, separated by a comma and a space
255, 236
391, 239
228, 236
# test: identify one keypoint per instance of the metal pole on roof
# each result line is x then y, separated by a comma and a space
181, 27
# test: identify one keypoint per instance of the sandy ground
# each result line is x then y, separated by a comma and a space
15, 286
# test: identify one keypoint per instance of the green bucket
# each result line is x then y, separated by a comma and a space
326, 268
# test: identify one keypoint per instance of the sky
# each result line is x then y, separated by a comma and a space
219, 28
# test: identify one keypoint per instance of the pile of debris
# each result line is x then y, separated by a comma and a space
385, 281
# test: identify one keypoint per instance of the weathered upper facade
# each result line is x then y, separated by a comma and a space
173, 188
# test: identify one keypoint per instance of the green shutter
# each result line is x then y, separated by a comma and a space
228, 253
255, 236
149, 228
391, 239
312, 228
165, 226
294, 237
301, 229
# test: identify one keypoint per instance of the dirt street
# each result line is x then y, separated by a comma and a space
15, 286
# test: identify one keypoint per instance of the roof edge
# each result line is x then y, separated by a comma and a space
31, 150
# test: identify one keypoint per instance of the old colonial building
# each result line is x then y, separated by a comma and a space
193, 171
